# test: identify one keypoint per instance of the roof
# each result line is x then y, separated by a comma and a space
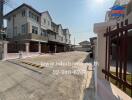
60, 25
21, 6
64, 30
92, 39
47, 13
54, 24
84, 42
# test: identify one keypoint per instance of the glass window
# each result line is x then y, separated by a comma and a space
15, 31
43, 32
48, 23
24, 28
23, 13
29, 14
44, 21
34, 29
61, 38
33, 16
9, 18
37, 19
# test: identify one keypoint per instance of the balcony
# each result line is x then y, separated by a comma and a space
31, 37
51, 38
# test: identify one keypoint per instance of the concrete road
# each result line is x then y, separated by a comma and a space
55, 82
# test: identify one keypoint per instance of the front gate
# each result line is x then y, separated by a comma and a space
118, 37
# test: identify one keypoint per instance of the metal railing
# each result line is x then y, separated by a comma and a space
119, 37
30, 36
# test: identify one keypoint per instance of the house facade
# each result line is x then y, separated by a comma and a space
25, 25
83, 46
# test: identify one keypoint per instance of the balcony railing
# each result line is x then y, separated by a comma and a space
55, 37
51, 37
31, 36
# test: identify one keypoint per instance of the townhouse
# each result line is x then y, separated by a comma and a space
31, 31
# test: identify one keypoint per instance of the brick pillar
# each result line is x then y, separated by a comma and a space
5, 50
39, 47
27, 48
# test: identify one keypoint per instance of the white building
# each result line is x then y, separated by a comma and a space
26, 25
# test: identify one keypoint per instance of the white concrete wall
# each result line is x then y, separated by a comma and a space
101, 44
108, 91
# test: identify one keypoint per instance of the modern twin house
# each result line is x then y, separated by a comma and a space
31, 31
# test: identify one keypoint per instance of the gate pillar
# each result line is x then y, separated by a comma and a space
5, 47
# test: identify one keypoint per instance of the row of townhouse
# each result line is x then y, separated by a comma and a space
30, 30
114, 53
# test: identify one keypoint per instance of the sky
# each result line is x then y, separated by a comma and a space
77, 15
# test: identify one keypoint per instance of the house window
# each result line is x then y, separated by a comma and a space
43, 32
23, 13
30, 15
48, 22
15, 31
34, 30
61, 38
33, 16
66, 40
37, 19
9, 18
55, 36
14, 15
44, 21
24, 28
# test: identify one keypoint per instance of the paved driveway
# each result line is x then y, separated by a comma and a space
23, 82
